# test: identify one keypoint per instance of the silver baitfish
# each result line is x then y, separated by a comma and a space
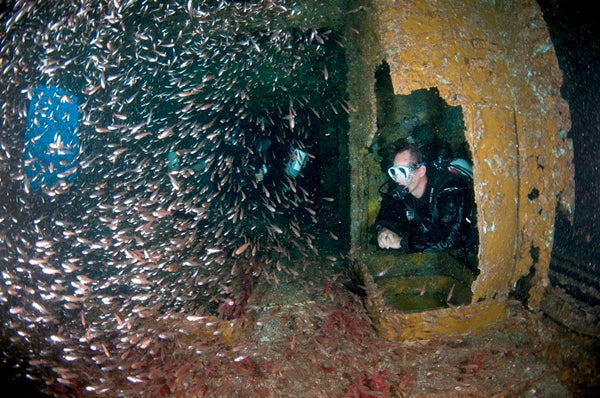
170, 196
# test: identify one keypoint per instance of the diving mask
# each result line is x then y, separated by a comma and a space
402, 173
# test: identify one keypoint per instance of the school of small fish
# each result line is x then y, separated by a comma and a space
227, 86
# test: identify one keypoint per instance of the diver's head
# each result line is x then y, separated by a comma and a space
409, 171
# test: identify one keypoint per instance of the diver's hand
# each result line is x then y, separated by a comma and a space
387, 239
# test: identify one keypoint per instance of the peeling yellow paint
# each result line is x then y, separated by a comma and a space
447, 321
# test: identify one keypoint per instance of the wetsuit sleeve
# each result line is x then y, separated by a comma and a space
444, 232
390, 215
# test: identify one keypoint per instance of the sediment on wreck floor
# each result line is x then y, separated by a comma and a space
326, 345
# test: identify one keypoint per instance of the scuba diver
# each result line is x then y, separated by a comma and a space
429, 209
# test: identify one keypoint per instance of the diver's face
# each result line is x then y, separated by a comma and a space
415, 178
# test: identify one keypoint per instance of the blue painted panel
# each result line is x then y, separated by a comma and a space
51, 141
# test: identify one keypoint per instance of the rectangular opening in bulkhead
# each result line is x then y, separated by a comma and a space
423, 239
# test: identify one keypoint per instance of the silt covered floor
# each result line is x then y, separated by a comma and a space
313, 338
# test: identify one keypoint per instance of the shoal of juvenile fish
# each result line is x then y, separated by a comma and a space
225, 85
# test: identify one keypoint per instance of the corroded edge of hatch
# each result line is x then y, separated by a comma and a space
394, 324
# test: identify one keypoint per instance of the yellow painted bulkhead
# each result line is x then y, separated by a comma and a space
496, 61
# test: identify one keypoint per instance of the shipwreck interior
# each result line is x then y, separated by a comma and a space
454, 86
188, 191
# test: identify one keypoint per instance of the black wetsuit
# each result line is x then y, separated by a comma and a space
441, 219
